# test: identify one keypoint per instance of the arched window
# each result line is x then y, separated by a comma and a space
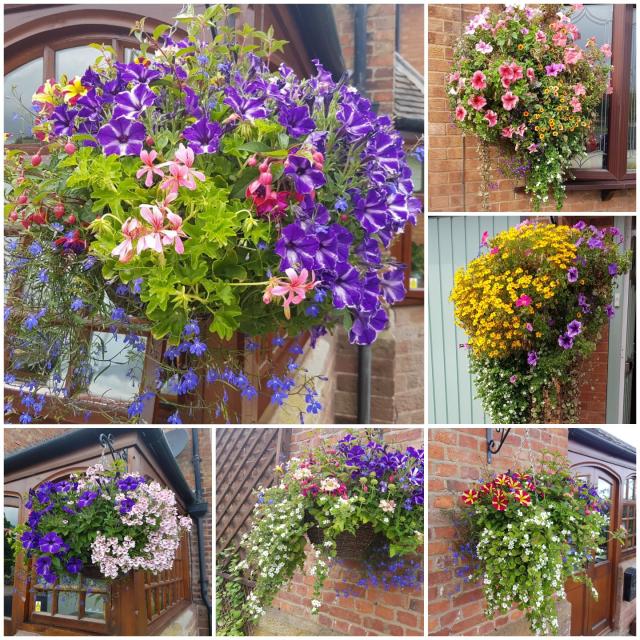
629, 512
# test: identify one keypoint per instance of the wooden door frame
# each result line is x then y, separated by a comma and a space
614, 523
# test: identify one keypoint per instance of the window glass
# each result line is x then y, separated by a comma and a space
11, 515
631, 135
416, 275
117, 367
74, 61
19, 87
596, 20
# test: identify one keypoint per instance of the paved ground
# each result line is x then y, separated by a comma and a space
277, 623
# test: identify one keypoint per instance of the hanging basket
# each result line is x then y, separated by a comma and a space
348, 545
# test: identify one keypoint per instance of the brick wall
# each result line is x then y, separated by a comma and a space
625, 612
23, 438
457, 458
371, 612
185, 462
454, 179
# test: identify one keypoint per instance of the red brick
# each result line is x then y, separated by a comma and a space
448, 436
407, 618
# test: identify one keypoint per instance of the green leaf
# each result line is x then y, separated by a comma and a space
224, 322
159, 30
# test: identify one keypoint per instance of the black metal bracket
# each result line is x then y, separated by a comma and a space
106, 440
494, 447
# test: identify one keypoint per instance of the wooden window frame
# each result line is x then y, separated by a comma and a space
629, 504
616, 175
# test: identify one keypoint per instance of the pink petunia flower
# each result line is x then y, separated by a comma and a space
494, 250
559, 39
477, 101
609, 90
606, 49
292, 292
478, 80
491, 117
531, 75
575, 103
572, 55
454, 77
532, 148
131, 229
507, 132
461, 112
509, 101
579, 89
523, 301
484, 47
148, 158
541, 36
484, 238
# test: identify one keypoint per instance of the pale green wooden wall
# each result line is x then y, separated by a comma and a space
453, 242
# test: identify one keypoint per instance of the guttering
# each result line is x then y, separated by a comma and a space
593, 438
198, 511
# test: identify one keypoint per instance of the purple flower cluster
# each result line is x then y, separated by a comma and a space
403, 469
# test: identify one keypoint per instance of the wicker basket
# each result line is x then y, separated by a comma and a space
348, 546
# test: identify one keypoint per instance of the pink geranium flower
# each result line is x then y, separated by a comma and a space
461, 112
175, 233
606, 49
572, 55
131, 229
182, 172
152, 239
292, 292
477, 101
509, 101
148, 158
491, 117
523, 301
478, 80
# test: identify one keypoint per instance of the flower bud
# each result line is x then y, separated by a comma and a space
36, 160
70, 148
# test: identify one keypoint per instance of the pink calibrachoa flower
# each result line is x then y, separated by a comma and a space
131, 229
509, 101
148, 158
575, 103
477, 101
494, 250
572, 55
579, 89
484, 47
523, 301
293, 292
532, 148
461, 112
491, 117
606, 49
478, 80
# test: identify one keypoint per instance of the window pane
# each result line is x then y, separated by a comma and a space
11, 515
74, 61
68, 603
19, 87
94, 606
596, 20
43, 602
631, 136
604, 489
117, 367
416, 275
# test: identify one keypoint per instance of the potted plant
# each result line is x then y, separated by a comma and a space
533, 304
523, 534
103, 522
207, 194
521, 81
333, 501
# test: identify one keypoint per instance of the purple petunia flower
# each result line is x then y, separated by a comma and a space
126, 504
63, 120
613, 269
371, 211
580, 225
296, 120
306, 178
595, 243
554, 69
248, 108
203, 136
532, 358
392, 285
346, 288
121, 137
132, 104
86, 499
296, 247
74, 565
130, 483
51, 543
137, 73
30, 540
572, 274
366, 326
565, 341
574, 328
609, 310
43, 565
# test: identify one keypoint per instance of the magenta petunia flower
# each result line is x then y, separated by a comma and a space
523, 301
509, 101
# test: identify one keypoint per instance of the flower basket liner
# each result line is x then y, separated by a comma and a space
348, 546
